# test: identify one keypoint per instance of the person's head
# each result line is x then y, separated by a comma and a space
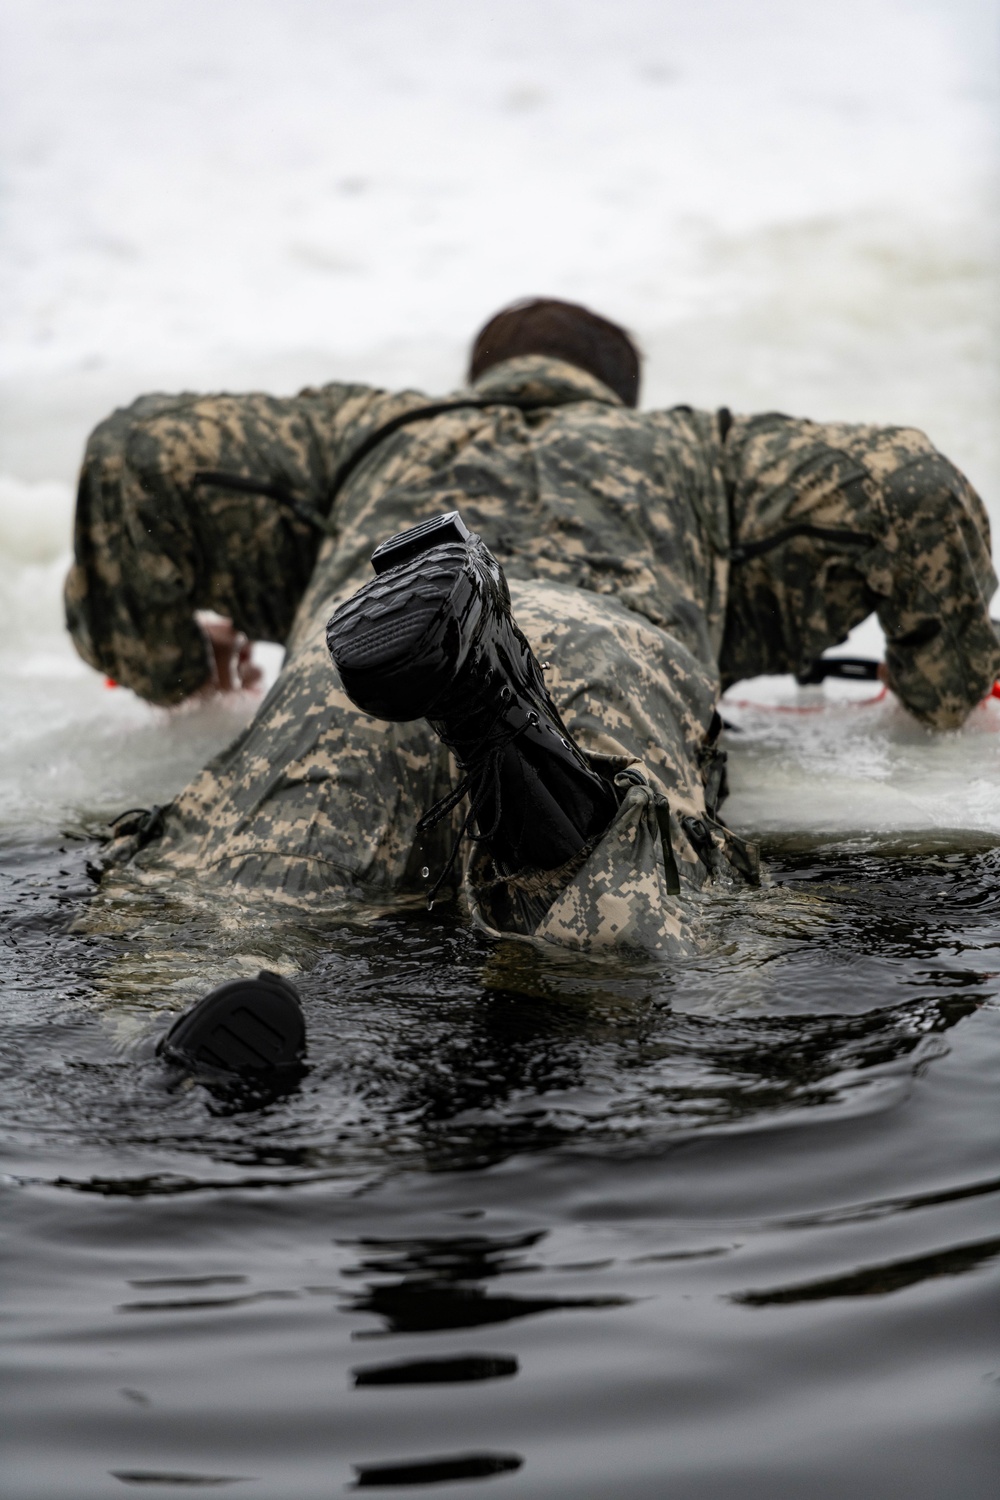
563, 330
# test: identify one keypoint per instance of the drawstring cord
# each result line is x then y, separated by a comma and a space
146, 824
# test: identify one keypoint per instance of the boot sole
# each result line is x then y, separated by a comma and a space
398, 641
245, 1026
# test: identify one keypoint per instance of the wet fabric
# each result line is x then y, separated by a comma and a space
616, 531
316, 802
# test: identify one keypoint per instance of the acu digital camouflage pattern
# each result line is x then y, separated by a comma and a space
614, 530
315, 800
902, 533
151, 546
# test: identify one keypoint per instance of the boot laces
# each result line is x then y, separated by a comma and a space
483, 766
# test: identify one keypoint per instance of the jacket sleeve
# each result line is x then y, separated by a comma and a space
942, 650
154, 542
834, 521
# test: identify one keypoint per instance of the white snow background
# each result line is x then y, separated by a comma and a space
792, 204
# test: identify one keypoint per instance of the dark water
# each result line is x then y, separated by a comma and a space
533, 1230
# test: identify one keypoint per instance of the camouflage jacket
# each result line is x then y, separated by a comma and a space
757, 542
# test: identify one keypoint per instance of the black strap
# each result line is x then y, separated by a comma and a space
745, 550
724, 418
419, 414
343, 472
853, 668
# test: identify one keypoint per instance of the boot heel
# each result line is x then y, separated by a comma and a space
419, 539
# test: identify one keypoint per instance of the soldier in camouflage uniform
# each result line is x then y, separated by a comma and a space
652, 557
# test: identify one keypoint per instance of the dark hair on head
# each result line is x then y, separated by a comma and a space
564, 330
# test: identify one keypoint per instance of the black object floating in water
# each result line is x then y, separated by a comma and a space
247, 1026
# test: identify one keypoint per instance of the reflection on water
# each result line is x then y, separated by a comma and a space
180, 1481
436, 1285
436, 1470
693, 1210
444, 1371
878, 1281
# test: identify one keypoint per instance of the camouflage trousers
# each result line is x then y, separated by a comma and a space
316, 803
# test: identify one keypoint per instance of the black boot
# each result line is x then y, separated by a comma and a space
432, 637
246, 1028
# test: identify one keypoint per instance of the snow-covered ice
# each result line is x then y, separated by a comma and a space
793, 205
